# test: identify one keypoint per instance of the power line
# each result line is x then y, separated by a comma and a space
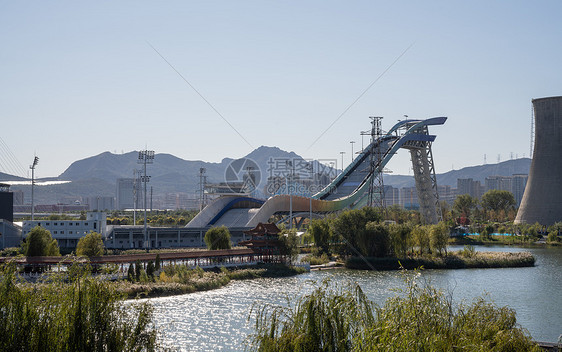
8, 158
200, 95
361, 95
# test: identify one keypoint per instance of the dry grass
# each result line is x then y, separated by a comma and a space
454, 260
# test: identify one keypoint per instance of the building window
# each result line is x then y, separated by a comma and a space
85, 224
69, 224
77, 224
55, 232
62, 232
55, 223
47, 224
70, 232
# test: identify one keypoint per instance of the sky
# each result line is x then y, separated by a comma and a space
205, 80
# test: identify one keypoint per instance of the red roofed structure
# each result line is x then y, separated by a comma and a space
264, 239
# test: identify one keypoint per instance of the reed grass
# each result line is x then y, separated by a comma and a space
77, 313
422, 318
455, 260
181, 279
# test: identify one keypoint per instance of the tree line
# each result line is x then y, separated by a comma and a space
363, 232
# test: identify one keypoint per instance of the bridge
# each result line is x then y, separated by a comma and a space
354, 188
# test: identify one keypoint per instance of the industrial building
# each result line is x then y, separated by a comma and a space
129, 236
69, 232
10, 233
542, 201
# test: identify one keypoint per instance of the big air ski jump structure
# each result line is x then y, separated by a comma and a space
351, 189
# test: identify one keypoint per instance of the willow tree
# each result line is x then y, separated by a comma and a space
217, 238
39, 243
90, 245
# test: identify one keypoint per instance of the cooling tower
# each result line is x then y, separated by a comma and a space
542, 200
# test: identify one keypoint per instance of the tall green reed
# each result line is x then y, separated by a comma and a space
74, 312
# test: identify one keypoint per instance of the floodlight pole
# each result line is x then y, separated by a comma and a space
145, 157
32, 167
291, 195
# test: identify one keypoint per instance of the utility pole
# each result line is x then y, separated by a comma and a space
352, 155
32, 167
135, 198
310, 195
289, 189
202, 182
145, 157
342, 153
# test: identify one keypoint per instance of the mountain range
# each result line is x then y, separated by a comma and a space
97, 175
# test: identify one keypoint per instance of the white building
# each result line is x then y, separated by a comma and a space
68, 232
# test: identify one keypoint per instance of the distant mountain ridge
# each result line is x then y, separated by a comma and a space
477, 173
8, 177
97, 175
168, 173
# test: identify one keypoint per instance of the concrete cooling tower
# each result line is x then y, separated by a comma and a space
542, 200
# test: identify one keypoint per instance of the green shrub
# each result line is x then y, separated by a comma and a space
468, 251
131, 273
316, 259
552, 236
150, 269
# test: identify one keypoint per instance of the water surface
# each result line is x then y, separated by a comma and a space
217, 320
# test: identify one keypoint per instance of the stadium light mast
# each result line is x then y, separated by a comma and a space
32, 167
145, 157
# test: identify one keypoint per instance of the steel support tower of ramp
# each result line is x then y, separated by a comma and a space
350, 189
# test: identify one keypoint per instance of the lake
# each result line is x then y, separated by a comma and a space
217, 320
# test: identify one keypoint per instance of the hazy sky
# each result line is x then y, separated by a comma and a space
80, 78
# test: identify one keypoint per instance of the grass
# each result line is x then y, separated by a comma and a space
421, 318
181, 279
315, 259
454, 260
505, 240
75, 312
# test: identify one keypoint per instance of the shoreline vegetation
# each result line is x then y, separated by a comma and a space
419, 318
508, 240
467, 258
180, 279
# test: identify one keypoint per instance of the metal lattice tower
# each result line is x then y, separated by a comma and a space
425, 178
376, 187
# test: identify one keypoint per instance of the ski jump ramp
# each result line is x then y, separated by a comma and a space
349, 190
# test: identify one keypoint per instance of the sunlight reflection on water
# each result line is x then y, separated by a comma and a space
217, 320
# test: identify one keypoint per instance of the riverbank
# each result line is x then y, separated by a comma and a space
180, 280
507, 240
455, 260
